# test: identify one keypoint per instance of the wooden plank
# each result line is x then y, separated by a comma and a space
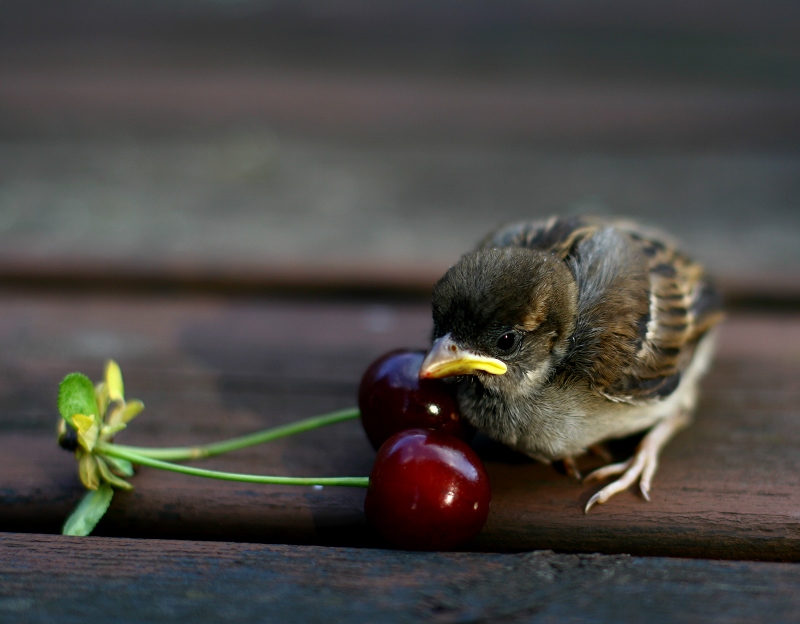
326, 213
728, 487
633, 114
126, 580
374, 279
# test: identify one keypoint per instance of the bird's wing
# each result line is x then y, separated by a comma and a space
642, 308
642, 305
682, 306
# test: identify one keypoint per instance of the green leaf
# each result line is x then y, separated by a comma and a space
89, 512
76, 396
110, 478
120, 467
109, 431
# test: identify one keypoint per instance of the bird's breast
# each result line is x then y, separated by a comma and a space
557, 422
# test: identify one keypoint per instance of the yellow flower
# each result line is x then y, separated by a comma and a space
92, 414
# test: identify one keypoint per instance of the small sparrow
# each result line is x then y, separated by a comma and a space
564, 333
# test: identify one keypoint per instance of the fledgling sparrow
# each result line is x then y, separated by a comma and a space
564, 333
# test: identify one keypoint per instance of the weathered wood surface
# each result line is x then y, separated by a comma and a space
253, 209
728, 487
628, 115
125, 580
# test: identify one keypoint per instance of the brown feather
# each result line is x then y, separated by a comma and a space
642, 307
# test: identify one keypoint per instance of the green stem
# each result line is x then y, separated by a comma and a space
114, 450
217, 448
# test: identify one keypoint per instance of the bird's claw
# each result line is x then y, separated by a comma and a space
642, 466
630, 471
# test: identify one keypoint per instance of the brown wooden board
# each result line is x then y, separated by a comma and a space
210, 368
319, 213
52, 578
579, 113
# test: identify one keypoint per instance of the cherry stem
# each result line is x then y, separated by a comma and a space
114, 450
184, 453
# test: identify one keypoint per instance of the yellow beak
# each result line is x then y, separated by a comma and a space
446, 359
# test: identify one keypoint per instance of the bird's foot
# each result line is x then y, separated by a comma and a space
642, 466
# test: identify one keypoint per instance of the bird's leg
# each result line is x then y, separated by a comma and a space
571, 468
599, 450
642, 465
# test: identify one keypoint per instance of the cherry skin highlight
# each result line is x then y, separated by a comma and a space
428, 491
393, 398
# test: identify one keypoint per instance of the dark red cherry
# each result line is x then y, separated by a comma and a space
392, 398
427, 491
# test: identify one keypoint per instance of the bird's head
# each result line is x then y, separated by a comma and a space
504, 316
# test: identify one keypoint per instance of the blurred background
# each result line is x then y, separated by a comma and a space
256, 145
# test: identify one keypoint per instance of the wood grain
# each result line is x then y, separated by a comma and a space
125, 580
207, 368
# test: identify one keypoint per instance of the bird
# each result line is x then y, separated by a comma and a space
564, 333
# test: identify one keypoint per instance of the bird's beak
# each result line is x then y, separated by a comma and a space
446, 359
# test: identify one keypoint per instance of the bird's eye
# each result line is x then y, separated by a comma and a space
508, 341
